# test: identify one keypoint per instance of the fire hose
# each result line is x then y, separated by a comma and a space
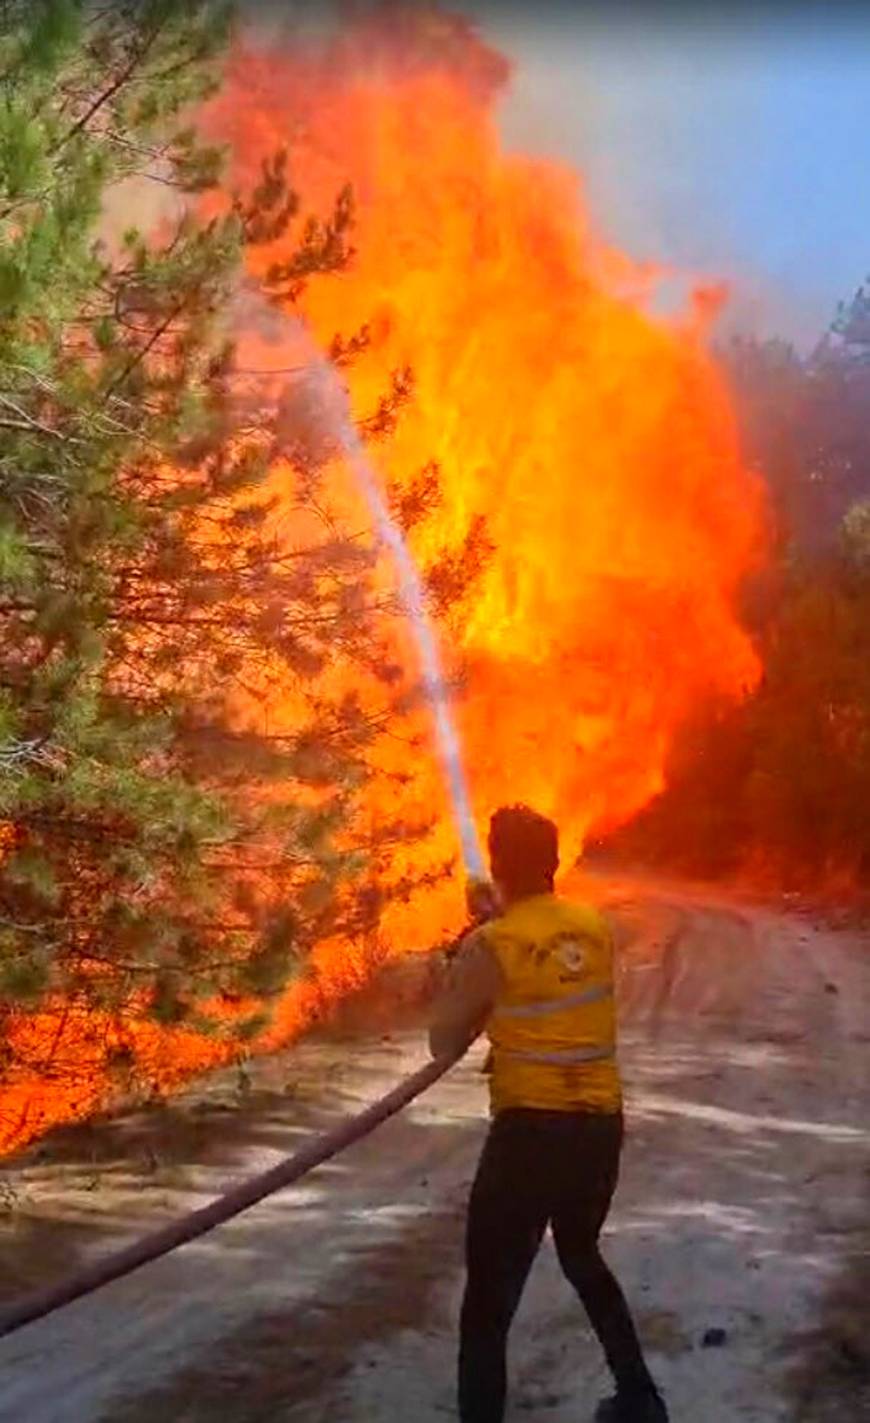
230, 1203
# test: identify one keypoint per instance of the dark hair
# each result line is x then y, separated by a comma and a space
524, 850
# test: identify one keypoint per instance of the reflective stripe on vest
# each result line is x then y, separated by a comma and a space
564, 1058
554, 1005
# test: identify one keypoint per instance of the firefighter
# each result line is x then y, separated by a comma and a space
537, 978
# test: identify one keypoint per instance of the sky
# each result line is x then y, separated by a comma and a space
727, 141
735, 149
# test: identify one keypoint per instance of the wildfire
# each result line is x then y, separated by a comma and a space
588, 466
593, 446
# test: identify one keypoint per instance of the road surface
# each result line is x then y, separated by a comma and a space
740, 1229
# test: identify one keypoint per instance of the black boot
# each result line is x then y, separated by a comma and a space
625, 1407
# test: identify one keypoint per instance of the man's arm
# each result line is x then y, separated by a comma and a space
467, 1000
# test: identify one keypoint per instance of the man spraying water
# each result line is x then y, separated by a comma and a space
537, 978
537, 975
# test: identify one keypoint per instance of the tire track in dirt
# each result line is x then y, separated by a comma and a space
741, 1208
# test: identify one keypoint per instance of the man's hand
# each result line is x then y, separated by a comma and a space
481, 899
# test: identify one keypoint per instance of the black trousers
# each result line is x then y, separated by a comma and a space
537, 1169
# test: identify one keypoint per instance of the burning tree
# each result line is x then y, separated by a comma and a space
589, 470
777, 789
168, 855
164, 608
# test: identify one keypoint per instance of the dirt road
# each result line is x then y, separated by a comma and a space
741, 1217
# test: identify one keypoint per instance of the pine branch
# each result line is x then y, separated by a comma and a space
159, 330
28, 422
137, 59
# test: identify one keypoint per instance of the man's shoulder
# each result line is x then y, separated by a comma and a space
473, 947
476, 941
475, 967
486, 936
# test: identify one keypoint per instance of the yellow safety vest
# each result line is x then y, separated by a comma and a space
553, 1028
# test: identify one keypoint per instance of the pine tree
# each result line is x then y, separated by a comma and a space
161, 853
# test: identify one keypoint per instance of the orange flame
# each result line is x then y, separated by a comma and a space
596, 443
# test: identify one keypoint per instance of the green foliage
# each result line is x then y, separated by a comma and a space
23, 977
165, 850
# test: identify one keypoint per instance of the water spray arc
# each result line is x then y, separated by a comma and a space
337, 414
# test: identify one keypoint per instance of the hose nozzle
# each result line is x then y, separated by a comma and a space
481, 899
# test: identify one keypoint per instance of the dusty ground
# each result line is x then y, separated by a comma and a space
742, 1209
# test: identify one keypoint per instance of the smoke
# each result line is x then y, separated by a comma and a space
723, 142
